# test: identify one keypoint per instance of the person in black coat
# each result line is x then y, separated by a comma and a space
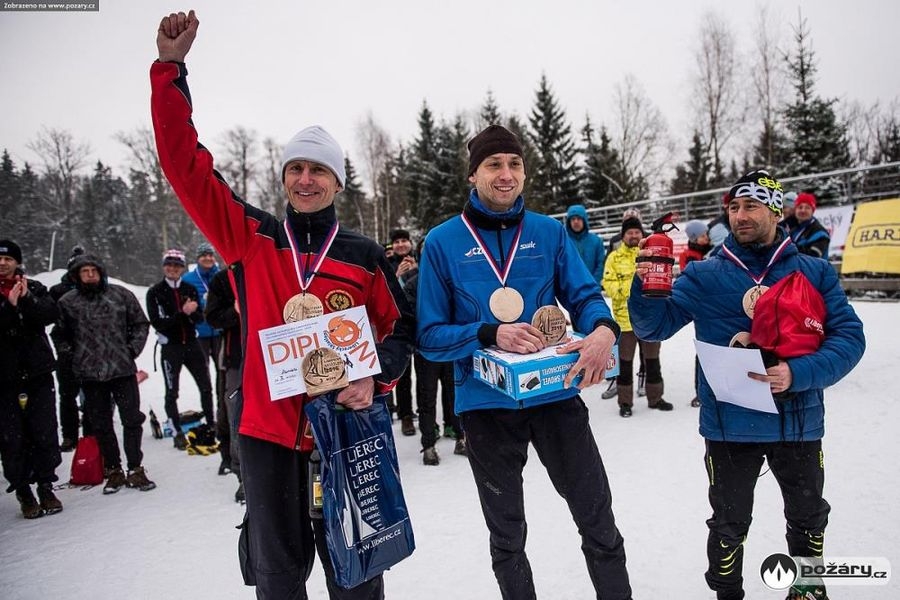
173, 306
29, 446
223, 312
105, 329
68, 386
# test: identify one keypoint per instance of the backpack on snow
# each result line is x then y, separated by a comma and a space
87, 463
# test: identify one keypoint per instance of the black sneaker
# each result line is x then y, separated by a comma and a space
225, 467
179, 441
662, 405
28, 503
115, 481
625, 411
50, 504
430, 456
137, 478
407, 427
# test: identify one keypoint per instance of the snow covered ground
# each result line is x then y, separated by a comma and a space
179, 541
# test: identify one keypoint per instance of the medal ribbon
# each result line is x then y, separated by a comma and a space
501, 277
757, 280
305, 279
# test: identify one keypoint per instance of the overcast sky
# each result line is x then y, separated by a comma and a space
278, 66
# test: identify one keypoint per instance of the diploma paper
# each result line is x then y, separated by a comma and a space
346, 332
726, 371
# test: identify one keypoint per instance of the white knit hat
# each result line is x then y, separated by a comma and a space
316, 145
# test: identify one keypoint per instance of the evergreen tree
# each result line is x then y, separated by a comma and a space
601, 170
817, 139
693, 175
423, 179
490, 112
530, 153
555, 176
772, 150
450, 184
11, 206
351, 205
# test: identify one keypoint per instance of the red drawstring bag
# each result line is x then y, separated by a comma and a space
87, 464
789, 318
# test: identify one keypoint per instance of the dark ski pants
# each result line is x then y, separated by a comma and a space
100, 397
230, 418
403, 393
281, 538
191, 356
29, 444
68, 389
428, 375
733, 469
212, 349
498, 449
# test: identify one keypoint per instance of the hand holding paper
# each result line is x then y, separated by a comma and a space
728, 370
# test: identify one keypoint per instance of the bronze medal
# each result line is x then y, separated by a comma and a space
750, 298
741, 339
302, 306
323, 370
506, 304
551, 322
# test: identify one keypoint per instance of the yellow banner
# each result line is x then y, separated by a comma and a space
873, 244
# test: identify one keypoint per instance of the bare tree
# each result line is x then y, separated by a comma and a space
770, 82
640, 134
862, 129
175, 226
62, 157
268, 179
239, 159
375, 143
716, 97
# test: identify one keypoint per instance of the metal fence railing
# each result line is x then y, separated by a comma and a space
834, 188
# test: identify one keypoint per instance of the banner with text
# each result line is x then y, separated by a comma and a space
873, 244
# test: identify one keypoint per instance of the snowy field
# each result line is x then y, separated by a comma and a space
179, 541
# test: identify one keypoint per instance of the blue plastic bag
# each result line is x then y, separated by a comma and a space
366, 522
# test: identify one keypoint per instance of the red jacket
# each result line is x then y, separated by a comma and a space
354, 273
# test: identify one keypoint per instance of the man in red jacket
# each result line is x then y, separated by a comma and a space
306, 254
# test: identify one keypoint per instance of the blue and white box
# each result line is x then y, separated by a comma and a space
523, 376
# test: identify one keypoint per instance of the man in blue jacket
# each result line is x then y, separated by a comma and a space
589, 245
482, 276
209, 337
715, 293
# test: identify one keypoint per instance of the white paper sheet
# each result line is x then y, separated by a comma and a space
726, 371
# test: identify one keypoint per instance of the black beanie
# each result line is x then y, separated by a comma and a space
399, 234
632, 223
76, 252
492, 140
11, 249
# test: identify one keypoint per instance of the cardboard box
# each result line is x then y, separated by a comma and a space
523, 376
